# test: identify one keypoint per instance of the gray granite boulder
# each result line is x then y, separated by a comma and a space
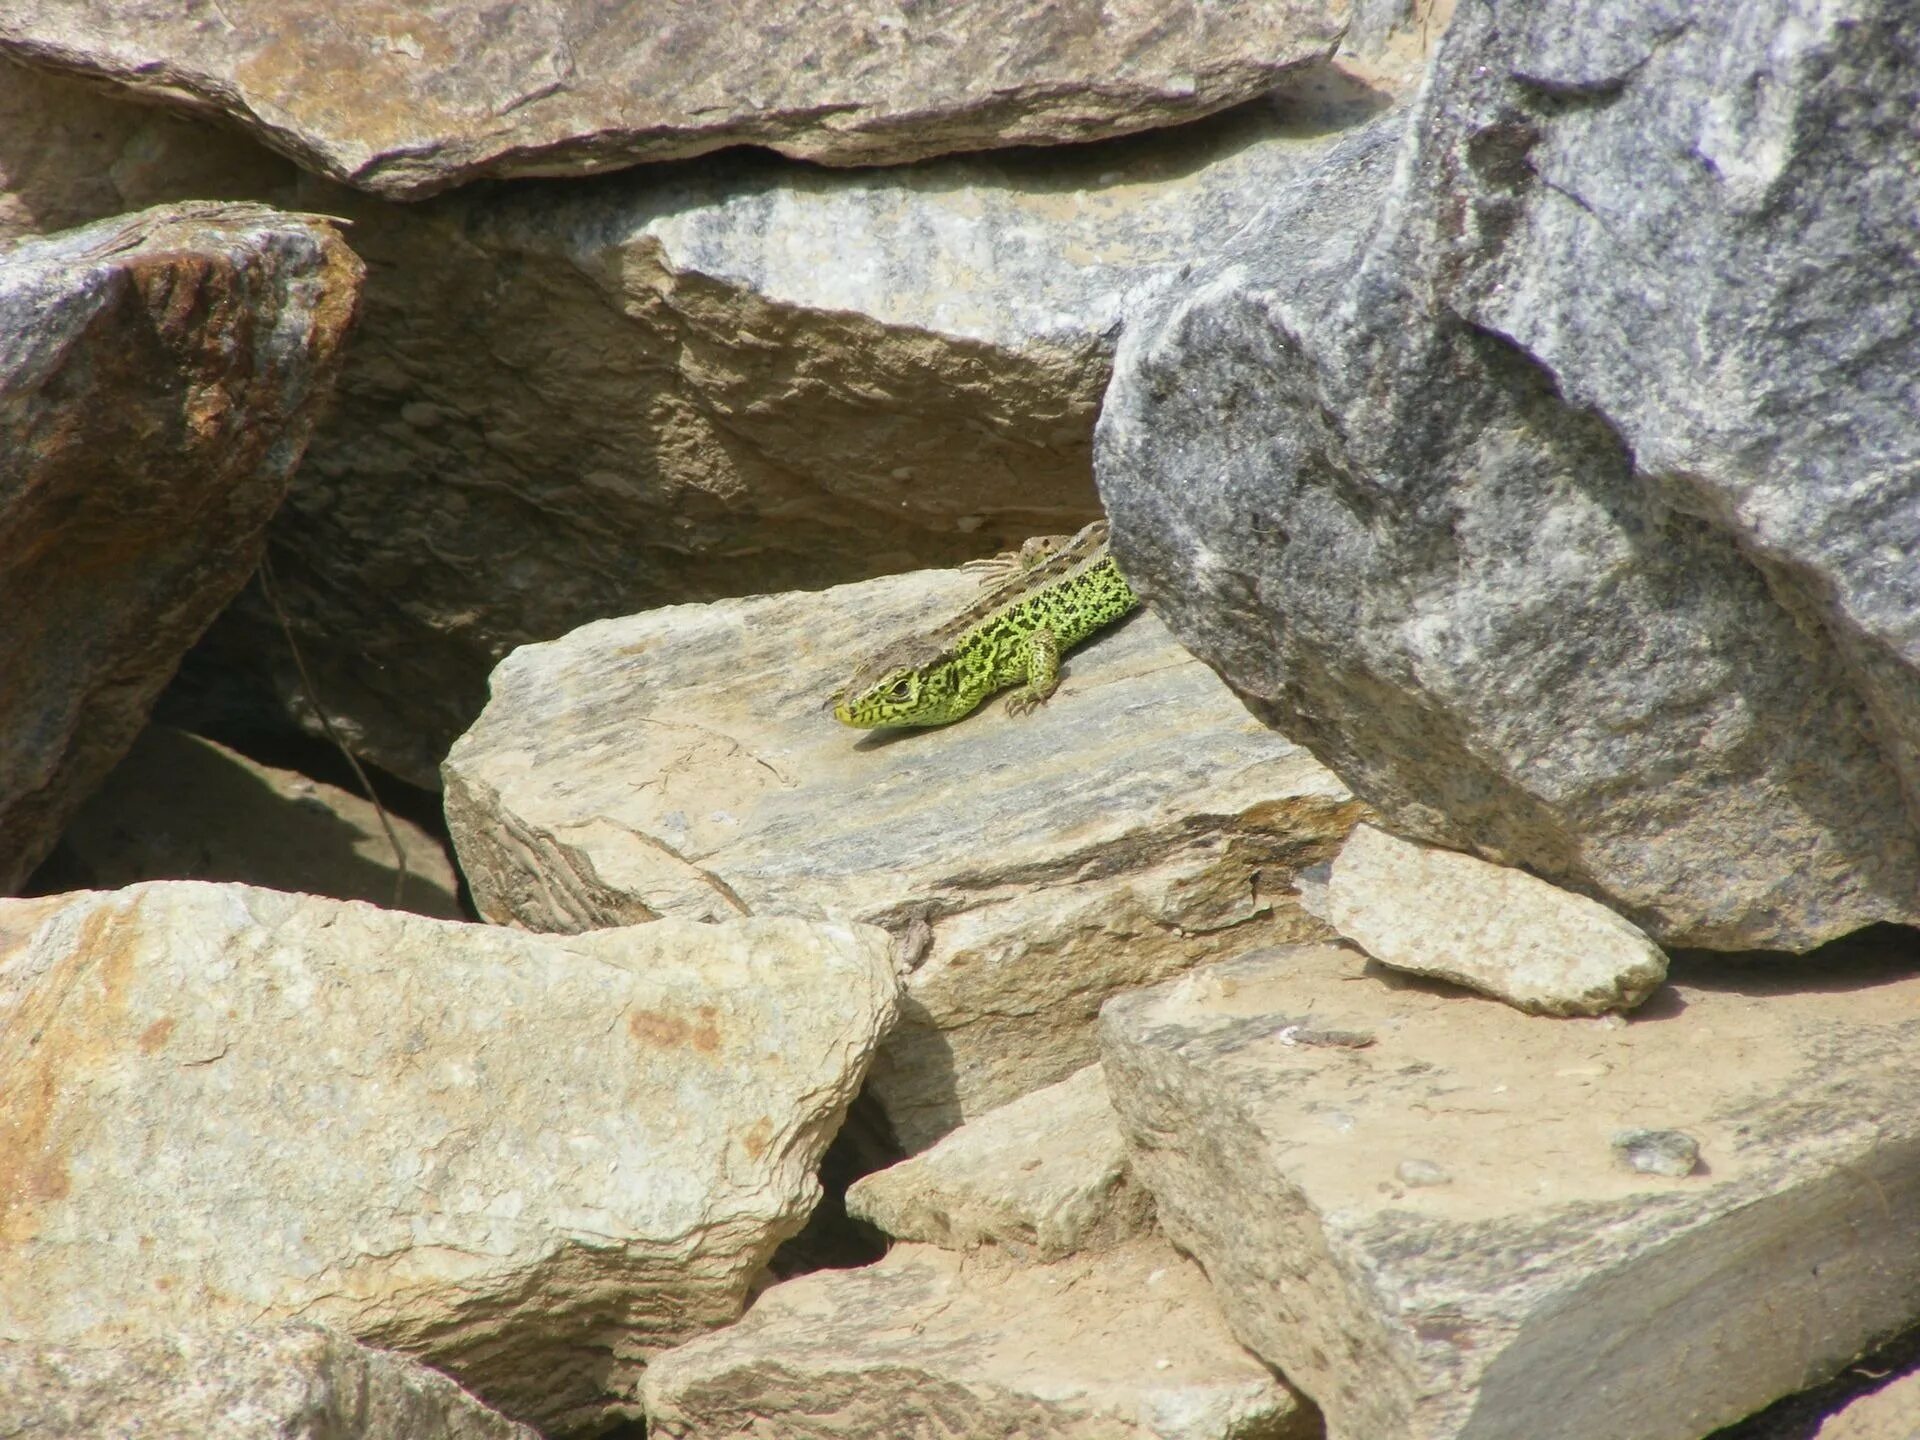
1556, 478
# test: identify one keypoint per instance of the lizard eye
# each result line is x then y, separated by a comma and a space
902, 689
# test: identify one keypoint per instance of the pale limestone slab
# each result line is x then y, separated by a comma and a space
1540, 1290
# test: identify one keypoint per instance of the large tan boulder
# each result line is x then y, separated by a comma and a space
531, 1162
408, 99
159, 377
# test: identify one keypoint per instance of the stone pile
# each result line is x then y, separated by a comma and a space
1410, 982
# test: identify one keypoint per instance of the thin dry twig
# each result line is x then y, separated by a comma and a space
269, 588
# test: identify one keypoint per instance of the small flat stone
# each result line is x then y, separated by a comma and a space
1497, 930
1044, 1176
1124, 1345
1658, 1152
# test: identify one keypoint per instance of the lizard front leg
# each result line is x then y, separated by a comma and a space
1042, 653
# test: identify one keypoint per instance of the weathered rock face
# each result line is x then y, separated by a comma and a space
1128, 1345
1559, 489
181, 807
302, 1382
1043, 1177
529, 1162
159, 376
73, 151
404, 100
682, 762
1502, 932
569, 402
1411, 1203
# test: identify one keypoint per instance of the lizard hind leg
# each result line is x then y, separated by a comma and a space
1010, 564
1042, 653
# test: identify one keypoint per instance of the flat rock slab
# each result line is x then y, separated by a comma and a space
682, 762
1043, 1177
1128, 1345
182, 807
1411, 1202
1497, 930
159, 377
301, 1382
404, 100
531, 1162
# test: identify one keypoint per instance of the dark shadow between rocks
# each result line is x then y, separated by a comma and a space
1876, 955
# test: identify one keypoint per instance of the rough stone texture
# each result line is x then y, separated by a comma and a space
682, 762
569, 402
1502, 932
72, 151
182, 807
1546, 1292
1128, 1345
297, 1383
159, 376
404, 100
1044, 1176
1559, 487
530, 1162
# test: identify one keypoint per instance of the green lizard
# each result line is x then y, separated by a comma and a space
1044, 598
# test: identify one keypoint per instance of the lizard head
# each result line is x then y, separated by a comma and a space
893, 698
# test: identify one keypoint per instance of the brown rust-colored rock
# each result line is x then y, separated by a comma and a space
406, 99
159, 377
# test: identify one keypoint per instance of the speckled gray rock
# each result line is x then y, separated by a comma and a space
159, 376
682, 762
1044, 1176
1559, 487
302, 1382
1502, 932
1546, 1291
406, 99
1126, 1345
531, 1162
